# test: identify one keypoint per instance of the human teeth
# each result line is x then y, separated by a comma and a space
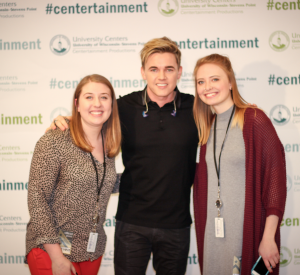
161, 85
96, 113
210, 95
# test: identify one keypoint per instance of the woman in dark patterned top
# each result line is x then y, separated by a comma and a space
240, 182
72, 175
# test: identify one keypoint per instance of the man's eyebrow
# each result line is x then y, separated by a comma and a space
168, 67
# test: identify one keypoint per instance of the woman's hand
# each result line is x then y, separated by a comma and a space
268, 249
60, 264
60, 122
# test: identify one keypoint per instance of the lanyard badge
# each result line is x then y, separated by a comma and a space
65, 238
219, 222
92, 242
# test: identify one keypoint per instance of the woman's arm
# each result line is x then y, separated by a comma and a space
273, 184
268, 249
44, 170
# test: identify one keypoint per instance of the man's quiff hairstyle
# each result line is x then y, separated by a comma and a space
160, 45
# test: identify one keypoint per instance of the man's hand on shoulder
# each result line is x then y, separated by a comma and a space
59, 122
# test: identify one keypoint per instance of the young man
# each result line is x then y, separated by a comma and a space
159, 152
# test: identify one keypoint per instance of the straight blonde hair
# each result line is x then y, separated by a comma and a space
160, 45
111, 128
203, 114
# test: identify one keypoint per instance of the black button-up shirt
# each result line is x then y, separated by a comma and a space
159, 155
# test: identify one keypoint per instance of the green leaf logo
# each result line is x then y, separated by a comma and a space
168, 7
279, 41
285, 256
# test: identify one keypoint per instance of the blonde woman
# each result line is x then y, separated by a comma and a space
240, 182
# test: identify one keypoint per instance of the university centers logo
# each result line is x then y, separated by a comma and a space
168, 7
60, 111
285, 256
279, 41
60, 44
280, 115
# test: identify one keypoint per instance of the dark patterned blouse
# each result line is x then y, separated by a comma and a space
62, 195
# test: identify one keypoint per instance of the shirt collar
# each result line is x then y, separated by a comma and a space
177, 97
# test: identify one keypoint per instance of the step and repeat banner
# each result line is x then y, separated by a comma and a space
46, 47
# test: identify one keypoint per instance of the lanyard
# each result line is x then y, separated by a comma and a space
104, 168
218, 201
96, 216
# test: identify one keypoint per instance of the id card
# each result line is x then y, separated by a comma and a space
219, 227
65, 238
91, 247
236, 269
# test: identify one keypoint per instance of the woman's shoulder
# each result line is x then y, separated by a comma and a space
256, 116
55, 137
259, 123
252, 112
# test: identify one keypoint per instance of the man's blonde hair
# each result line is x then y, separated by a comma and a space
160, 45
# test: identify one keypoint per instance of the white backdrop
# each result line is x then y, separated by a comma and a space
47, 47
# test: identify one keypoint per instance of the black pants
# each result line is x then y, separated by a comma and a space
134, 244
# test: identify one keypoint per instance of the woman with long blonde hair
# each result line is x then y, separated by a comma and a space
240, 182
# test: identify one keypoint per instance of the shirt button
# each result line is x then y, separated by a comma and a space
160, 121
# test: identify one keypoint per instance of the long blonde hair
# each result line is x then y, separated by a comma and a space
203, 114
111, 128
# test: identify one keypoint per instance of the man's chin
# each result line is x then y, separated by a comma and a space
163, 92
